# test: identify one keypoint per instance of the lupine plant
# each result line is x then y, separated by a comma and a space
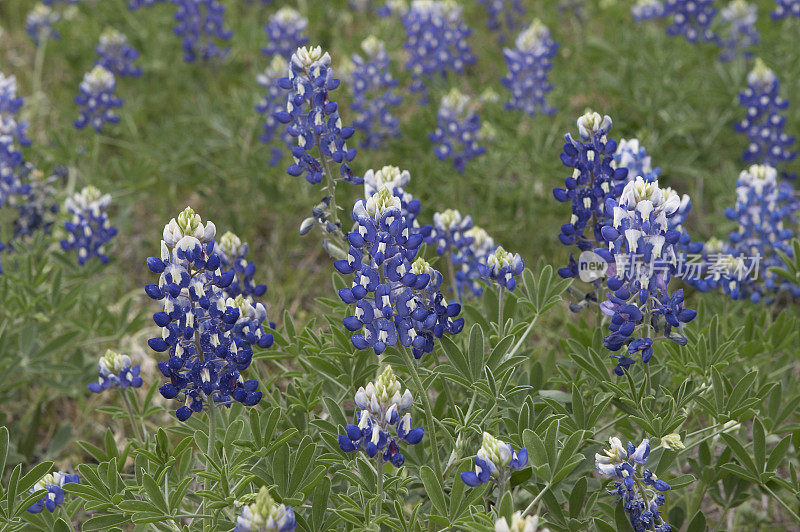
742, 35
40, 24
764, 123
201, 25
647, 10
96, 99
785, 8
633, 156
116, 55
528, 66
274, 101
374, 96
504, 16
691, 19
436, 42
458, 132
89, 230
285, 33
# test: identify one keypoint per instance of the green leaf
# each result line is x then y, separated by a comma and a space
576, 498
759, 445
476, 352
433, 489
698, 523
154, 493
777, 454
104, 522
319, 502
34, 475
741, 454
3, 449
621, 518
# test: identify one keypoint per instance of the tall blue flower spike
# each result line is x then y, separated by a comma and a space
785, 8
495, 460
449, 233
436, 41
313, 118
285, 33
373, 95
641, 491
504, 16
201, 23
641, 250
96, 100
233, 255
648, 10
741, 33
529, 63
53, 483
383, 420
39, 24
471, 259
692, 19
265, 515
764, 123
37, 204
764, 211
396, 181
116, 55
594, 180
503, 267
209, 338
89, 230
458, 132
396, 295
133, 5
116, 372
631, 155
273, 102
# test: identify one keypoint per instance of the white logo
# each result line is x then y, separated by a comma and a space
591, 266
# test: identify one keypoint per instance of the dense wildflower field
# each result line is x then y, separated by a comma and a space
510, 265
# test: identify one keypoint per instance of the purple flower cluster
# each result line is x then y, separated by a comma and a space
631, 155
89, 229
116, 372
285, 33
116, 55
381, 407
233, 256
209, 338
96, 99
273, 102
201, 23
764, 124
742, 35
648, 10
495, 460
691, 19
39, 24
373, 95
395, 293
436, 41
785, 8
504, 16
313, 118
529, 63
458, 130
593, 181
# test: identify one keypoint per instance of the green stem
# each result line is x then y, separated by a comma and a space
379, 471
535, 500
451, 270
331, 185
501, 323
37, 80
426, 404
521, 339
782, 503
210, 451
131, 417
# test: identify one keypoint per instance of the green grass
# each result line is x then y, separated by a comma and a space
189, 131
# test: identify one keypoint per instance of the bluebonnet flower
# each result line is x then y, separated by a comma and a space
503, 267
638, 487
436, 41
201, 23
631, 155
96, 99
495, 460
89, 230
648, 9
37, 205
519, 523
265, 515
641, 253
528, 65
233, 255
449, 232
784, 8
392, 7
136, 4
285, 33
313, 118
458, 130
12, 137
742, 34
10, 103
39, 24
469, 261
116, 372
396, 181
764, 124
382, 407
396, 298
504, 16
54, 484
764, 211
373, 97
692, 19
209, 337
51, 2
273, 102
116, 55
593, 181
